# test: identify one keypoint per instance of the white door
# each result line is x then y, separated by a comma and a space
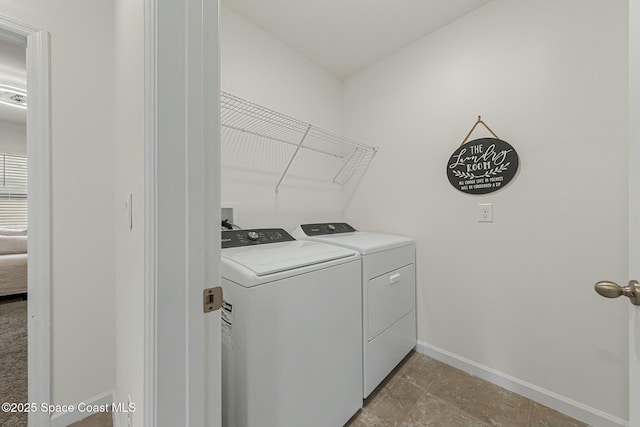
182, 196
634, 208
634, 215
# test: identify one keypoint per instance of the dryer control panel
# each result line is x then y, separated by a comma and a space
327, 228
251, 237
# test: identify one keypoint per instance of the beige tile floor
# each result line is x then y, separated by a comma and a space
423, 392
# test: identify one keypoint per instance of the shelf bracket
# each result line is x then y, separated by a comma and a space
356, 151
295, 153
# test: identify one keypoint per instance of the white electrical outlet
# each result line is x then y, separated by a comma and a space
485, 212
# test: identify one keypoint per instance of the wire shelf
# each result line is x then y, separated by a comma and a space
257, 137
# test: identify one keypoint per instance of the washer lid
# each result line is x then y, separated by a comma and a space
365, 242
278, 257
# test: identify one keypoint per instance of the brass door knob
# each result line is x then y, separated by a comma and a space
613, 290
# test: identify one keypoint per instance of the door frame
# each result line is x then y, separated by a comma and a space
182, 209
39, 210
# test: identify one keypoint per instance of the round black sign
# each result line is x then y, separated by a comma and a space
482, 166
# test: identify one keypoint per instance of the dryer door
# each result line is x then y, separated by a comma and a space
390, 297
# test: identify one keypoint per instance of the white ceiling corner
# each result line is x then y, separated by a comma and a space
346, 36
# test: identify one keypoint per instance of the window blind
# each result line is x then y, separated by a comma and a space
13, 191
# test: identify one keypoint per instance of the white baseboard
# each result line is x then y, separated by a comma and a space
577, 410
63, 419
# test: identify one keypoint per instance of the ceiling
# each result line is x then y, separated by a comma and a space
13, 68
346, 36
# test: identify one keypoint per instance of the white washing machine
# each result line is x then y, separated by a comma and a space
388, 294
291, 331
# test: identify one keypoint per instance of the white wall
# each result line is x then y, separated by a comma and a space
515, 295
13, 138
82, 191
261, 69
258, 67
129, 178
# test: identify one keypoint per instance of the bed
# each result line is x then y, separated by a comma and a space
13, 262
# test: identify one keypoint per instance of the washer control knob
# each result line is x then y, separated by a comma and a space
331, 227
253, 236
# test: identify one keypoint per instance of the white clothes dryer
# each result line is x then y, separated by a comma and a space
388, 294
291, 331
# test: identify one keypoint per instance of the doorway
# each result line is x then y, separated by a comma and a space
33, 168
13, 231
